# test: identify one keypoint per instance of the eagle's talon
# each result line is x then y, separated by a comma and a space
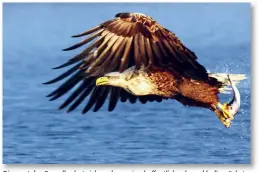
225, 111
227, 125
228, 120
225, 121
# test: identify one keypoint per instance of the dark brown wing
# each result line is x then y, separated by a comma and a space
115, 45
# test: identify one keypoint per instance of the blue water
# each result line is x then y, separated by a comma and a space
34, 131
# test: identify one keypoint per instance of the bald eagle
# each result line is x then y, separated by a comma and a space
132, 57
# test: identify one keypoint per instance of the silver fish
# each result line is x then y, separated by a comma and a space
234, 104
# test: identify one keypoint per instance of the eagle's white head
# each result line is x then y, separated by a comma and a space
132, 80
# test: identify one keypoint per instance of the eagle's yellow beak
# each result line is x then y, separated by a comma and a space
102, 81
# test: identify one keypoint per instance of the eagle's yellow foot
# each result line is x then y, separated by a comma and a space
224, 109
225, 121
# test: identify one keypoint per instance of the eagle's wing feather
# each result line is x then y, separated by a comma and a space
115, 45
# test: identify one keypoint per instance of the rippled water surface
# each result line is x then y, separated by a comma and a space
35, 131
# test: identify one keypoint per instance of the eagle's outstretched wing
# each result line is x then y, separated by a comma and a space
115, 45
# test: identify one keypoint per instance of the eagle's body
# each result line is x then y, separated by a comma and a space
132, 57
162, 82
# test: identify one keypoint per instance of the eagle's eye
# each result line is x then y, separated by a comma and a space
112, 77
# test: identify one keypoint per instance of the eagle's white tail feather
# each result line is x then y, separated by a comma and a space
222, 77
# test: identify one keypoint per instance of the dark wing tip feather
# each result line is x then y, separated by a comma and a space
87, 32
76, 36
85, 41
46, 83
101, 99
64, 75
64, 65
110, 110
49, 95
123, 15
75, 94
114, 97
92, 100
54, 98
66, 49
72, 47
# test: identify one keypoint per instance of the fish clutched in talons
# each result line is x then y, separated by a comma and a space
223, 114
224, 121
227, 111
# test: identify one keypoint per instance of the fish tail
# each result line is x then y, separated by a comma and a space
223, 77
